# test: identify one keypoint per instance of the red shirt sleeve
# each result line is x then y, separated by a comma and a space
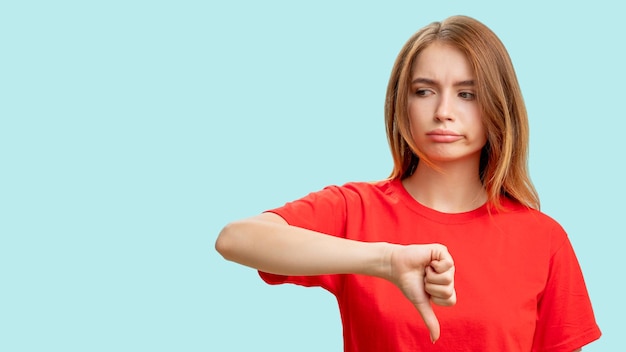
323, 211
565, 319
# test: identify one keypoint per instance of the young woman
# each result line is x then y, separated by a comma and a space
457, 225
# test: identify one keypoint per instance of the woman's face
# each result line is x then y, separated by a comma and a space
445, 118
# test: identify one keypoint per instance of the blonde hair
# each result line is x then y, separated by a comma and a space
503, 163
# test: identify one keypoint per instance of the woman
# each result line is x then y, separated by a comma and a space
458, 218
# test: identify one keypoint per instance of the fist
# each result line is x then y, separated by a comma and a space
424, 274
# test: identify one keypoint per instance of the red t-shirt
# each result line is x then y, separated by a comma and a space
519, 285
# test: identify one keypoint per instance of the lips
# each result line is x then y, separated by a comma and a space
443, 136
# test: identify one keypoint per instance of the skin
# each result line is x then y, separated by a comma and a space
424, 273
442, 100
446, 125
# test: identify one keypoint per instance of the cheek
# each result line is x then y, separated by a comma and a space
418, 113
484, 139
480, 129
482, 133
416, 126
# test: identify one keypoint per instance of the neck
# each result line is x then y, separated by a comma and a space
451, 188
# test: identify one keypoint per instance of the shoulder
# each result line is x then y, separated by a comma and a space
517, 211
354, 196
531, 222
365, 187
368, 191
348, 195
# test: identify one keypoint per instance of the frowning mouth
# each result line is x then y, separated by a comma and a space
440, 132
444, 136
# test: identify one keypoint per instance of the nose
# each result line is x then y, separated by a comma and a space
443, 112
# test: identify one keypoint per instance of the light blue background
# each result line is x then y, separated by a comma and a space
132, 131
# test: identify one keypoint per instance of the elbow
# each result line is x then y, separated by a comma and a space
239, 240
226, 243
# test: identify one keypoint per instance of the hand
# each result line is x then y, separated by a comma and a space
424, 273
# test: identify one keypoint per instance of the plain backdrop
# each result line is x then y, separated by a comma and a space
132, 131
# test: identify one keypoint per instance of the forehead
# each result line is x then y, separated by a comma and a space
441, 60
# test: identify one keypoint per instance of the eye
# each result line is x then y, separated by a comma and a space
423, 92
467, 95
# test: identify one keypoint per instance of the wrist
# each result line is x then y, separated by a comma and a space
384, 268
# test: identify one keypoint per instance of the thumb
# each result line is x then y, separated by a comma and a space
430, 319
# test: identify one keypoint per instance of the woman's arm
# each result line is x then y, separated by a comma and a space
267, 243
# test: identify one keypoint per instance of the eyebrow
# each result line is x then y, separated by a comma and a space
465, 83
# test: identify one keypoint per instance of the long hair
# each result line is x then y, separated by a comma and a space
504, 158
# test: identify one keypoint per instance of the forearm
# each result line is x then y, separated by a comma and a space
423, 273
287, 250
